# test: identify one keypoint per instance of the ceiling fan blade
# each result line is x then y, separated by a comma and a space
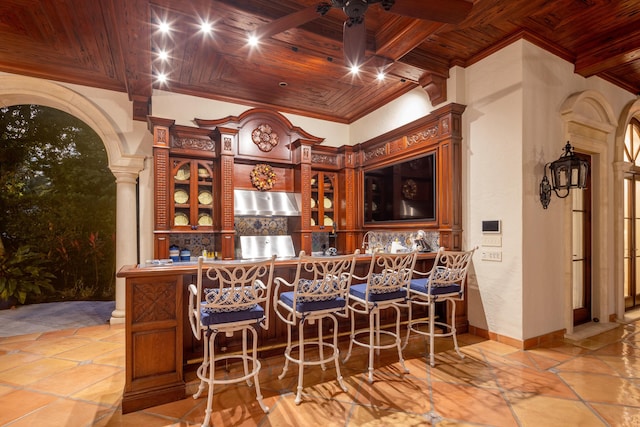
354, 37
450, 11
292, 20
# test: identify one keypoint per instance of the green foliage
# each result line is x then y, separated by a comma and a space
24, 273
57, 194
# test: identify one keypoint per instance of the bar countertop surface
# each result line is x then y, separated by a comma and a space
162, 267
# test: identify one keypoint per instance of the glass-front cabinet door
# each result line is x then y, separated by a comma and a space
192, 194
323, 200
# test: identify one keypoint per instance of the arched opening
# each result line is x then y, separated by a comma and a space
627, 181
58, 201
589, 125
16, 90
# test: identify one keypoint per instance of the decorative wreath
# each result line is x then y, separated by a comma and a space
263, 177
409, 189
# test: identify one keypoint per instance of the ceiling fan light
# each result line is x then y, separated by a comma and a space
355, 8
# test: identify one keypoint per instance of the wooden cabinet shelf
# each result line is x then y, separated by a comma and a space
323, 199
191, 194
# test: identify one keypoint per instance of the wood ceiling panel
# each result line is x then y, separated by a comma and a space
113, 44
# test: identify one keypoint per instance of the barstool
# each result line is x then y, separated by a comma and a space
385, 287
237, 302
319, 290
444, 282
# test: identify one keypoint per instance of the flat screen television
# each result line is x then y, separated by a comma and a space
404, 191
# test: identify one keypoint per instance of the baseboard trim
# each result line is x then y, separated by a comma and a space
527, 344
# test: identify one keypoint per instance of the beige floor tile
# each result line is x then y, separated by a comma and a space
55, 346
371, 416
328, 413
75, 379
587, 364
6, 390
532, 381
103, 332
104, 392
137, 419
619, 416
14, 359
470, 372
35, 371
395, 394
547, 411
21, 402
113, 358
471, 404
63, 413
624, 366
598, 388
90, 351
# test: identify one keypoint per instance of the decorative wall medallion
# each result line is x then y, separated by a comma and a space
263, 177
264, 137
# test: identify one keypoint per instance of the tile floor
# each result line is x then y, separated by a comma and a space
75, 377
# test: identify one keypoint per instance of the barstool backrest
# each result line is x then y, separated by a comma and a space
390, 272
232, 286
450, 268
321, 278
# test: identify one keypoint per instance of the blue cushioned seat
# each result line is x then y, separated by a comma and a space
360, 290
210, 317
308, 306
420, 285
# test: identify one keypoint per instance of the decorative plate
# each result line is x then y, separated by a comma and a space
181, 219
313, 222
327, 203
181, 196
328, 221
183, 173
374, 206
205, 219
205, 198
313, 203
203, 173
409, 189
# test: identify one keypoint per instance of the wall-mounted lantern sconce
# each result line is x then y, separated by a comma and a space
566, 173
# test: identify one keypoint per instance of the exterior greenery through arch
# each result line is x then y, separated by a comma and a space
57, 202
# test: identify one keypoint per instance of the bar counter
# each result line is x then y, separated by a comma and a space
159, 343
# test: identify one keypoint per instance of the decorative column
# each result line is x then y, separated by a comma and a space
126, 233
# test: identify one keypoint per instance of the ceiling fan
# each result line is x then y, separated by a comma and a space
354, 32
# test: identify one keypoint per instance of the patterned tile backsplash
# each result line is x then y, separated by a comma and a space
270, 226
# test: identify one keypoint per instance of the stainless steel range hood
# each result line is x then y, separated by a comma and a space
266, 203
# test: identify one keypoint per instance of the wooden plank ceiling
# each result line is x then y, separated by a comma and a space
113, 44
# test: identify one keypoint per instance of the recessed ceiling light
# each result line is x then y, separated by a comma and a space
163, 55
164, 27
283, 84
381, 76
206, 27
355, 69
253, 40
161, 78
